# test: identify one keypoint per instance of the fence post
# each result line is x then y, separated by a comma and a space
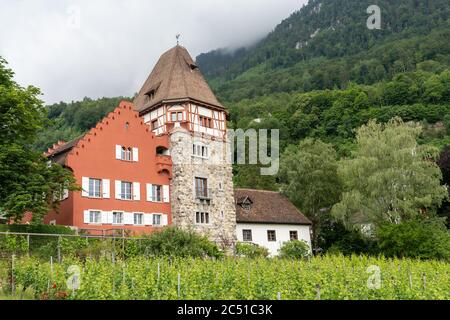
179, 286
410, 281
13, 285
159, 272
123, 241
28, 241
318, 292
51, 268
59, 249
279, 296
424, 281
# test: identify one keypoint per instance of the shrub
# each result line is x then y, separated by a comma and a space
179, 243
294, 250
13, 244
36, 228
423, 239
251, 250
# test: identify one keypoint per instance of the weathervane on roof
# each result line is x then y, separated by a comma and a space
178, 38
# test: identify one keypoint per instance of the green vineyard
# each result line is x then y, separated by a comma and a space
140, 278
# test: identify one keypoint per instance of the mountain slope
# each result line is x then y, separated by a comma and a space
326, 44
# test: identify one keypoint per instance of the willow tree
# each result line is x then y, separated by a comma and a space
390, 178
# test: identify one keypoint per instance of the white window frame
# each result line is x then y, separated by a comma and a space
92, 193
154, 216
123, 218
98, 214
154, 193
127, 154
200, 150
178, 116
123, 191
142, 219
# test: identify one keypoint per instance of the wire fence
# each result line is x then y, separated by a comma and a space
56, 246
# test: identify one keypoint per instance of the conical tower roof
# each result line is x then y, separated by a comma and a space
175, 77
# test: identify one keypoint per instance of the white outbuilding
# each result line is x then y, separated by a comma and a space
269, 219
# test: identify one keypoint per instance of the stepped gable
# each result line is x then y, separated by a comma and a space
60, 151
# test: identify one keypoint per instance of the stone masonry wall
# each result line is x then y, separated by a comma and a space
218, 171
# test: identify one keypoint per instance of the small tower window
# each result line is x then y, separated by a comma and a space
177, 116
151, 94
155, 124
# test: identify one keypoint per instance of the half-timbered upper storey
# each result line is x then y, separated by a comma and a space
176, 95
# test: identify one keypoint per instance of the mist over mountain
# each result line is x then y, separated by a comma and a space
327, 43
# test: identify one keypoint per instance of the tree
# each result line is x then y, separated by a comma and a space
390, 177
309, 178
423, 239
444, 164
29, 183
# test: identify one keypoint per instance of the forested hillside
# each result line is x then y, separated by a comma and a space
333, 115
326, 44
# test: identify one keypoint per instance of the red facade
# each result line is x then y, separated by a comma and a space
124, 173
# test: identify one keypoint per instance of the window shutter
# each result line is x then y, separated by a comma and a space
65, 193
85, 187
166, 194
135, 154
148, 219
110, 217
136, 191
149, 192
118, 152
164, 220
118, 189
106, 188
105, 217
128, 218
86, 216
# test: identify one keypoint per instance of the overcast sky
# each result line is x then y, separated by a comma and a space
96, 48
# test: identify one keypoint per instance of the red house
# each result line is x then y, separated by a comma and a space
125, 174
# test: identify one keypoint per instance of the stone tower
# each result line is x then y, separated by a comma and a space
176, 101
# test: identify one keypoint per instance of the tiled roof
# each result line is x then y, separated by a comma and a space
267, 207
175, 77
59, 154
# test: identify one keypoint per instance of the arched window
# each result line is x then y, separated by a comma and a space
127, 154
162, 151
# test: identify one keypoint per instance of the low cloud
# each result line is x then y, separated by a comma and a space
73, 49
